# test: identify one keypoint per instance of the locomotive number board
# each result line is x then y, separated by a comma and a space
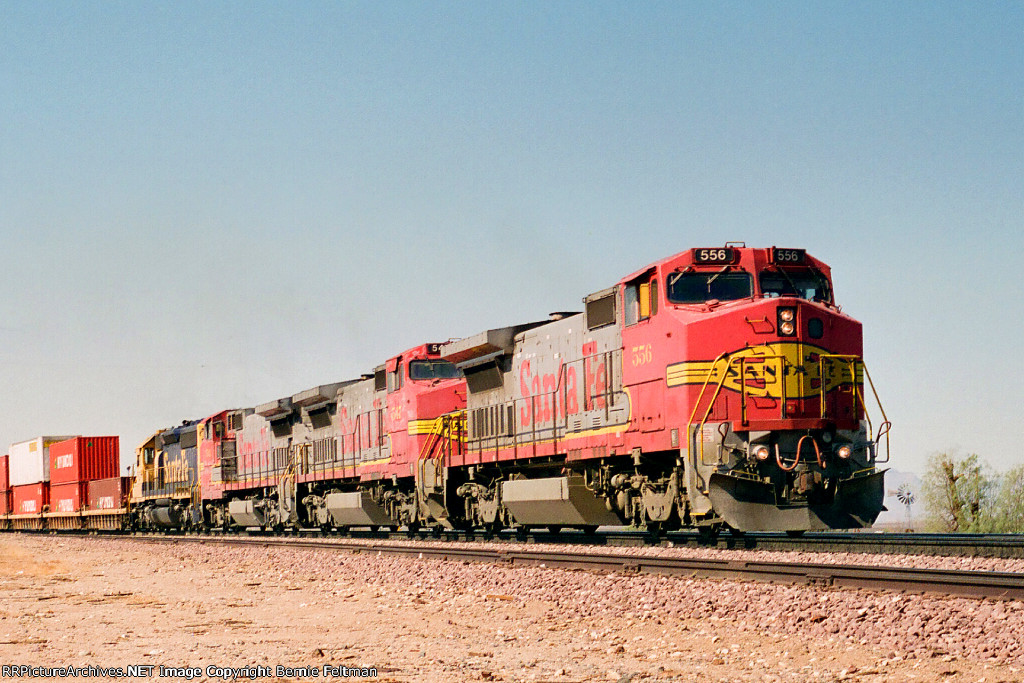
788, 255
713, 257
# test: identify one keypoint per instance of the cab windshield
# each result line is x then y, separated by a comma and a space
433, 369
698, 287
806, 284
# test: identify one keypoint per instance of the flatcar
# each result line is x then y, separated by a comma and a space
719, 387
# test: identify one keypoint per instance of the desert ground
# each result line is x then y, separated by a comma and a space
205, 612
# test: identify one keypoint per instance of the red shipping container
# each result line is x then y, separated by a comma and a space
67, 497
5, 482
108, 494
30, 499
83, 458
5, 502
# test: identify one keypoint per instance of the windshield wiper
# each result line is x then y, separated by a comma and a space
715, 277
796, 290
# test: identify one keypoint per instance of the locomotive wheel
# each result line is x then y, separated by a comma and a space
554, 528
590, 529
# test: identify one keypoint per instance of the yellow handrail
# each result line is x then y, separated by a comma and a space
763, 356
743, 387
451, 427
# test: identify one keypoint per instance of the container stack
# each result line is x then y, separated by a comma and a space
76, 465
109, 494
29, 471
5, 486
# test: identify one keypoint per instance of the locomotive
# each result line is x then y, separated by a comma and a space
716, 387
719, 387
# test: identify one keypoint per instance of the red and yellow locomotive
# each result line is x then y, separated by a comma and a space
716, 386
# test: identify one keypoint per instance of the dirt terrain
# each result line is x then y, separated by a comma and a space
96, 603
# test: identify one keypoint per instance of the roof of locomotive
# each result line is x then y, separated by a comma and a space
324, 393
752, 259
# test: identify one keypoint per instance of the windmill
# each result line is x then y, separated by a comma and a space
905, 495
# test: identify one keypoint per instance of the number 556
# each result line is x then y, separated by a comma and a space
642, 355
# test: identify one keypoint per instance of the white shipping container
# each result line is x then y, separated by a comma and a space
29, 461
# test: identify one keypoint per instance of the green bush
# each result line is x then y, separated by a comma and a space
965, 495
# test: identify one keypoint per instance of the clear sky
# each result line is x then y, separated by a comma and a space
212, 205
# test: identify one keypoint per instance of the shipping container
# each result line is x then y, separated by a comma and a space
5, 502
67, 497
5, 482
29, 461
30, 499
83, 458
108, 494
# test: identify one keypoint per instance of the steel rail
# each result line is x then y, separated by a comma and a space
874, 542
881, 543
970, 584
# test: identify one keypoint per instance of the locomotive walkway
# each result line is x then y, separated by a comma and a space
974, 584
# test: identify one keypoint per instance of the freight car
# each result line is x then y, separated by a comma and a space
718, 387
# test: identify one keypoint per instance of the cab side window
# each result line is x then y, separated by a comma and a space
631, 305
395, 379
640, 301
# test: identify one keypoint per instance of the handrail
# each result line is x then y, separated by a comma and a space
763, 355
731, 359
451, 427
853, 362
557, 400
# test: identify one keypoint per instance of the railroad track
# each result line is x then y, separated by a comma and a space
973, 584
1010, 546
879, 543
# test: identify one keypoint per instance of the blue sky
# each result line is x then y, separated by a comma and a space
208, 205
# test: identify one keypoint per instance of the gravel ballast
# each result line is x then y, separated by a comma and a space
100, 602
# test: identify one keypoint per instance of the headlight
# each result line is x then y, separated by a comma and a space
761, 453
787, 321
844, 452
